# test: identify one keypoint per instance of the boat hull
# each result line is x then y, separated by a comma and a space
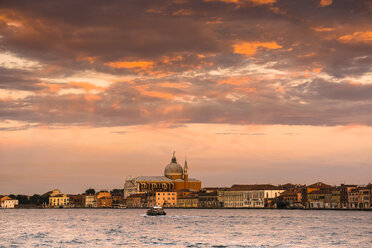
155, 214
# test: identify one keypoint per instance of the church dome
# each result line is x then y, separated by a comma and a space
173, 170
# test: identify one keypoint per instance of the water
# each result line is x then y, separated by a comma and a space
184, 228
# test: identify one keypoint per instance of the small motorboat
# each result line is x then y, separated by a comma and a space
156, 210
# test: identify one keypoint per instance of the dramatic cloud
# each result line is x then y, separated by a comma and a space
144, 62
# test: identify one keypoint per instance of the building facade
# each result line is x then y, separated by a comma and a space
104, 199
364, 200
7, 202
249, 196
189, 201
90, 201
166, 199
58, 200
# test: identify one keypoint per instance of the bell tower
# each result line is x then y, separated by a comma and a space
186, 175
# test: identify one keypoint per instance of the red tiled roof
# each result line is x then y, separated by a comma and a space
319, 185
241, 187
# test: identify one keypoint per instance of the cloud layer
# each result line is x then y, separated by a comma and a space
122, 63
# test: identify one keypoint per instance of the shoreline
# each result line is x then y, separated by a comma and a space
318, 209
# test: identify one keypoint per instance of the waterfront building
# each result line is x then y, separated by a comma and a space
344, 192
166, 198
189, 201
104, 199
353, 198
313, 187
317, 198
8, 202
76, 201
364, 200
292, 197
134, 200
150, 199
175, 178
324, 198
335, 198
90, 201
117, 199
209, 199
249, 196
57, 199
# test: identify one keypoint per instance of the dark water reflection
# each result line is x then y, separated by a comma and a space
184, 228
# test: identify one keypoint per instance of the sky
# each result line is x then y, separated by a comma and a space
248, 91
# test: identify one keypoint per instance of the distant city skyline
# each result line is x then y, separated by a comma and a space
250, 91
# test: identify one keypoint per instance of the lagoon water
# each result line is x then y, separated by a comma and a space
184, 228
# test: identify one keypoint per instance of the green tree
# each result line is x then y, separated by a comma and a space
116, 191
90, 191
22, 199
36, 199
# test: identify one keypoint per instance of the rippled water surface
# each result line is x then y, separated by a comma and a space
184, 228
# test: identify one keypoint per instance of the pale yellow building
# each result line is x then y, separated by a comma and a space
7, 202
57, 199
166, 199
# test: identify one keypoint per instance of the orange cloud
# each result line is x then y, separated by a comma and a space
173, 108
255, 2
93, 97
182, 12
9, 21
54, 88
250, 48
84, 85
322, 29
235, 81
357, 37
157, 94
91, 60
246, 89
131, 64
317, 70
142, 89
174, 85
325, 3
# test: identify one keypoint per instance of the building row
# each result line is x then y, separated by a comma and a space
102, 199
315, 196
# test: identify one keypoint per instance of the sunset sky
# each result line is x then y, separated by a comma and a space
249, 91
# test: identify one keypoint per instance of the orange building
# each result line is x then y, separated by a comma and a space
166, 199
175, 178
104, 199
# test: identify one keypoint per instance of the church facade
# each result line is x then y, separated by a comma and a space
175, 178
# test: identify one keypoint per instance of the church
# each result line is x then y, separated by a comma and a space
175, 178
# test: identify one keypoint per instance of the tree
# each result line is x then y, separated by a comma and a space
116, 191
36, 199
22, 199
90, 191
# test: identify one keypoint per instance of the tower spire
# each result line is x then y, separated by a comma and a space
186, 174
